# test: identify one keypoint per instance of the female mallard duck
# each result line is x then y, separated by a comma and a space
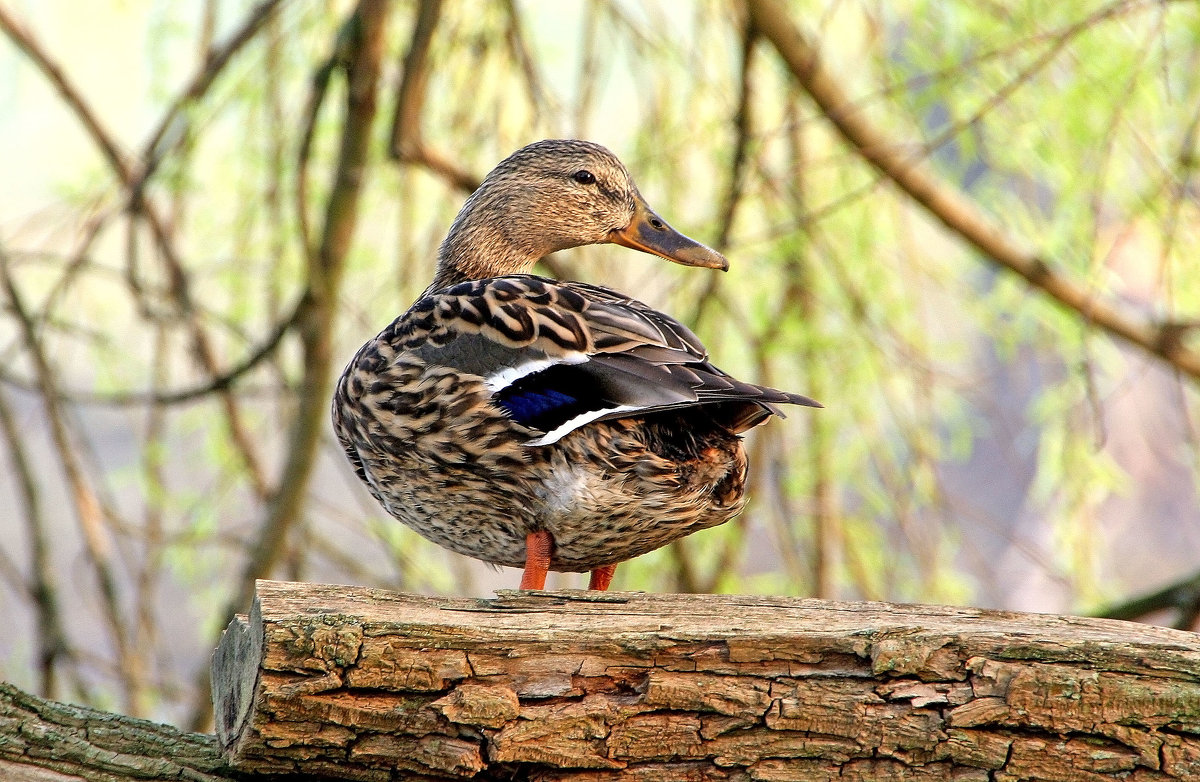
556, 425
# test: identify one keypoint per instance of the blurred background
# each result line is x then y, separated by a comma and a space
205, 208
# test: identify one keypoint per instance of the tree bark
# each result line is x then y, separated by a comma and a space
44, 741
367, 684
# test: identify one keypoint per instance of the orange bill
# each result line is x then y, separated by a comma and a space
651, 234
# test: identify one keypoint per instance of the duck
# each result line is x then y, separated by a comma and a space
545, 424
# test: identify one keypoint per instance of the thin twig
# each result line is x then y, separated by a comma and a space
1183, 597
743, 132
587, 78
799, 297
360, 48
50, 638
144, 208
225, 381
408, 142
155, 150
734, 540
1163, 339
25, 41
515, 36
89, 510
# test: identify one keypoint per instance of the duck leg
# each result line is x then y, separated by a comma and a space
602, 577
538, 546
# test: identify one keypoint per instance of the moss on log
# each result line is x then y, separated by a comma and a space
46, 741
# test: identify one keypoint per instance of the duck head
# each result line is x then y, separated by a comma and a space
552, 195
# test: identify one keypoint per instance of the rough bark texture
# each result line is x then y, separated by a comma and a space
44, 741
367, 684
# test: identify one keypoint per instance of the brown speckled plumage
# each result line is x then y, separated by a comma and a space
503, 404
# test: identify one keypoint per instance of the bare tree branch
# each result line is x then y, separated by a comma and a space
176, 273
360, 51
1182, 597
89, 510
46, 741
155, 150
50, 638
1164, 339
25, 41
408, 143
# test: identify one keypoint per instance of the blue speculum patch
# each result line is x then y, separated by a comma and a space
545, 400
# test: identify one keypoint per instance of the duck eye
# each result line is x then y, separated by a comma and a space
584, 177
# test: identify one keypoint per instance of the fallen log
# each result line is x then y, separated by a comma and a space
572, 686
47, 741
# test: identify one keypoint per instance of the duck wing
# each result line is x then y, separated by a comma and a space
558, 355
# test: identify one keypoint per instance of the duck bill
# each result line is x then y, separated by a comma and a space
650, 233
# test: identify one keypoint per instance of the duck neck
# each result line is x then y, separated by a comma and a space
480, 246
446, 275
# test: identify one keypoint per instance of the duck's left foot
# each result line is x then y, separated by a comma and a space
602, 577
538, 547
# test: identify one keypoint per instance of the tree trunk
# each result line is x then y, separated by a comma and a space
364, 684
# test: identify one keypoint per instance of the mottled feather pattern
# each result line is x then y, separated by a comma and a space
521, 310
404, 420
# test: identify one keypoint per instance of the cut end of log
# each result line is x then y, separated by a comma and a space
235, 676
